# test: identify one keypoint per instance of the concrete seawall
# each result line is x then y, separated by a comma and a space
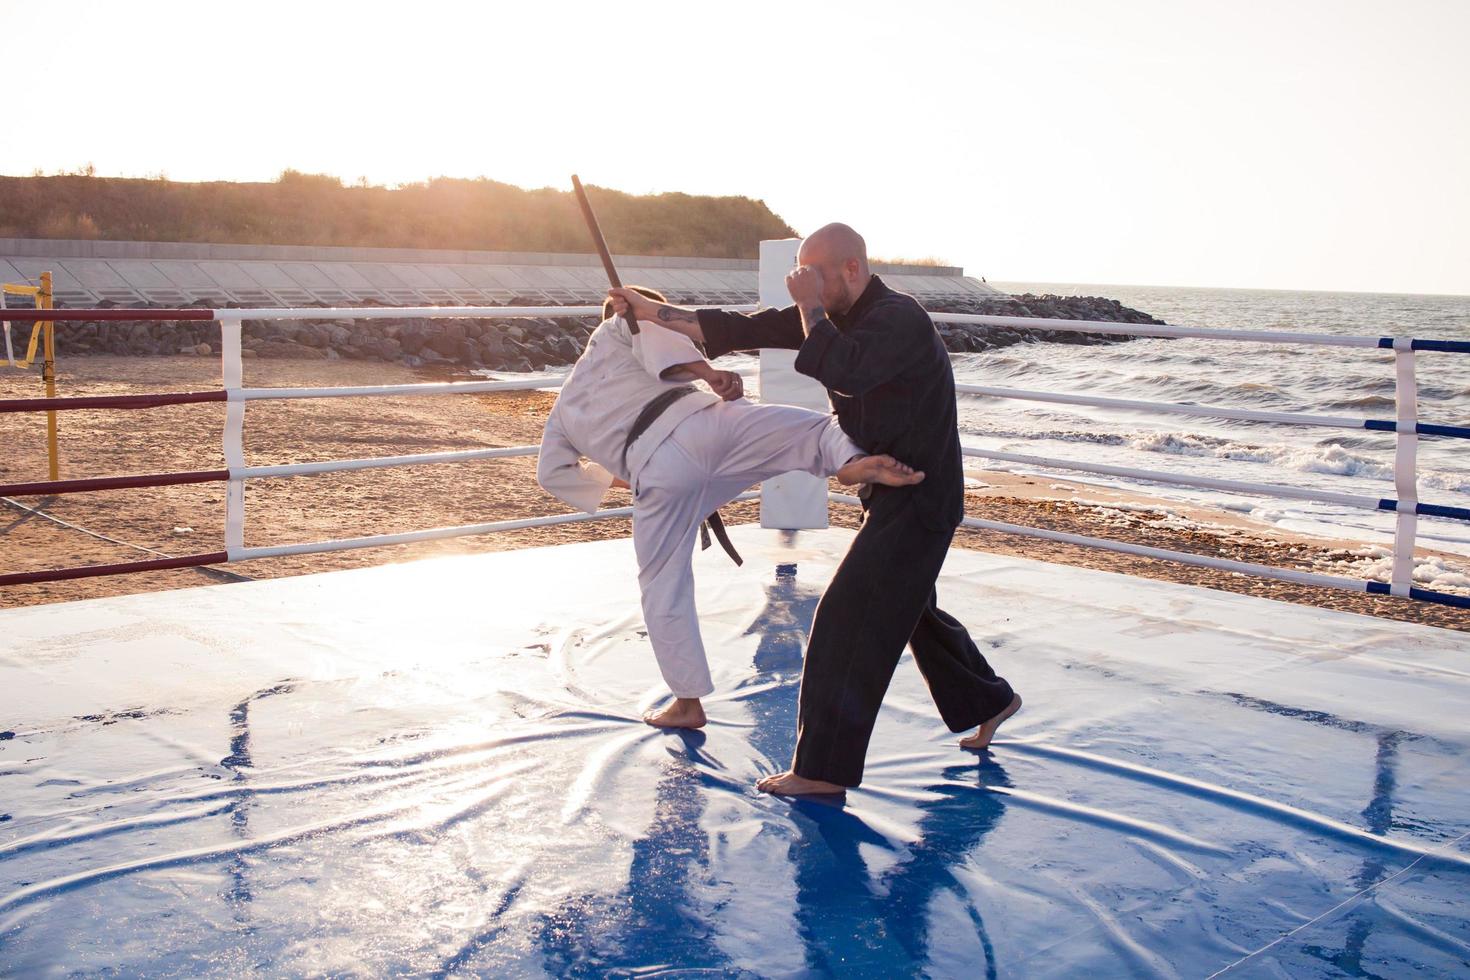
98, 273
172, 274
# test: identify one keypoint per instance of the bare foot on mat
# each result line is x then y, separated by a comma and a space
790, 784
981, 739
683, 713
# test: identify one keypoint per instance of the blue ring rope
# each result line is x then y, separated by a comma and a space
1440, 510
1424, 595
1440, 598
1423, 428
1428, 510
1447, 346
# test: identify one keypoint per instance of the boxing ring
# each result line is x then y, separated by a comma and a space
438, 768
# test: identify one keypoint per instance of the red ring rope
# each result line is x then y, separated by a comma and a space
32, 315
111, 401
120, 568
48, 487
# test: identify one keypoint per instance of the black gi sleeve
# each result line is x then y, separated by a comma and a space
878, 347
725, 332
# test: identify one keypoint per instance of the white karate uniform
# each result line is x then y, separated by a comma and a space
697, 456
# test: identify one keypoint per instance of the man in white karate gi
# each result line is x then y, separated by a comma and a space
628, 416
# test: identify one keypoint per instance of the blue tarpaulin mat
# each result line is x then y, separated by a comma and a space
437, 768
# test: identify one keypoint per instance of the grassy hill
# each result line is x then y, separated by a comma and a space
313, 209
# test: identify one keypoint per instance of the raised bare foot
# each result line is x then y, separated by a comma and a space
981, 739
878, 469
683, 713
790, 784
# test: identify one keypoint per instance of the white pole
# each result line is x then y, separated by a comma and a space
791, 501
233, 376
1405, 467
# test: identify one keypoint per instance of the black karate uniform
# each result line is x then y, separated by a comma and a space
888, 374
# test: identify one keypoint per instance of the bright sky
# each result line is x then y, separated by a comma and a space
1311, 144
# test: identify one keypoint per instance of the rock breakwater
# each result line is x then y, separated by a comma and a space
524, 344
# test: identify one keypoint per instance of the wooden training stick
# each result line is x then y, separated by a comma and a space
601, 243
713, 521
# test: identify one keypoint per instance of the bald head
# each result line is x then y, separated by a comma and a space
841, 255
834, 243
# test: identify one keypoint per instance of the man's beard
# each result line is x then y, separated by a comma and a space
847, 299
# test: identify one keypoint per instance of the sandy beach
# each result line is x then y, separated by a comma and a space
128, 525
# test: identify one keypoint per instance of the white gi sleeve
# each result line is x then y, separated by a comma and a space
660, 348
562, 473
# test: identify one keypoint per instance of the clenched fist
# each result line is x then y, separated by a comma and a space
727, 384
804, 283
624, 300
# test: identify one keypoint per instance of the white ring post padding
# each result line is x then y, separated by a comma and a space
1145, 330
432, 534
791, 501
1182, 557
1158, 476
439, 388
376, 462
232, 372
1405, 467
1166, 408
426, 312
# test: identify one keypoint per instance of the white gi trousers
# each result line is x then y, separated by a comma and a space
712, 457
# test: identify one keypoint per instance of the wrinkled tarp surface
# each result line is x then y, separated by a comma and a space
438, 768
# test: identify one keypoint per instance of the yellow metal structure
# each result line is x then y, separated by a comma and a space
43, 334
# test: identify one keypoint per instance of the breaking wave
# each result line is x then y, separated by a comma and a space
1330, 457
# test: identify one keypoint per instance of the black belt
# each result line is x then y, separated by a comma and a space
656, 407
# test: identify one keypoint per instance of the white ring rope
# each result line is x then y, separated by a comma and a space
433, 388
1184, 558
432, 534
1166, 408
1150, 330
431, 312
377, 462
1159, 476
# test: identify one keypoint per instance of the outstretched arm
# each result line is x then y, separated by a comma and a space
721, 332
676, 318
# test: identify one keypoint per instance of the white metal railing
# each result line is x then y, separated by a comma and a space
1183, 557
1405, 425
237, 395
1162, 408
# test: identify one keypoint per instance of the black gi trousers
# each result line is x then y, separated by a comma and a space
881, 598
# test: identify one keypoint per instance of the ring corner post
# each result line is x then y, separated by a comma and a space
1405, 468
232, 376
48, 375
792, 501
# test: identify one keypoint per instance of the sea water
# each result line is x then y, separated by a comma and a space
1350, 382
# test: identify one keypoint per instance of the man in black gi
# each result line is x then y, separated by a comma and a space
888, 374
